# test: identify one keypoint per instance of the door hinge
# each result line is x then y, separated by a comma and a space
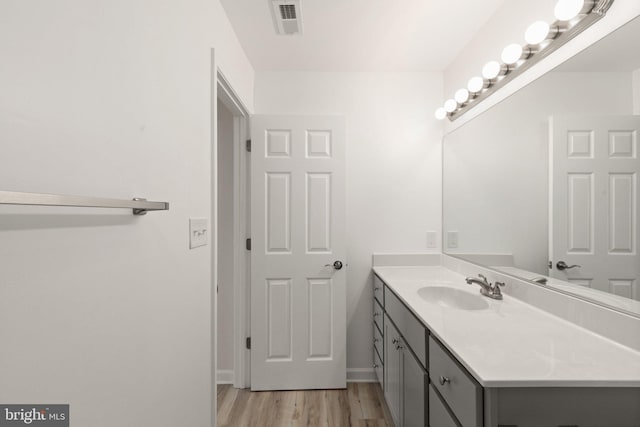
248, 244
248, 343
248, 147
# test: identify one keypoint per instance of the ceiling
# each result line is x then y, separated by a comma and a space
619, 51
360, 35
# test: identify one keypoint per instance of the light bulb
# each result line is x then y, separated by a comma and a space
566, 10
491, 70
512, 54
450, 105
440, 113
475, 84
537, 32
461, 96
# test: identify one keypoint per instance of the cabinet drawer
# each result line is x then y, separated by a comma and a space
378, 289
377, 315
377, 341
458, 389
438, 414
378, 367
413, 332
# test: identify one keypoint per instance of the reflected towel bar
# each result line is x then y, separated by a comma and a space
139, 206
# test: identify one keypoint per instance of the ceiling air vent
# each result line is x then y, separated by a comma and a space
286, 16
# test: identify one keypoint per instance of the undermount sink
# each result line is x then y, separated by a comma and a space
453, 298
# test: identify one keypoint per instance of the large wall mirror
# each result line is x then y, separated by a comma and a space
545, 185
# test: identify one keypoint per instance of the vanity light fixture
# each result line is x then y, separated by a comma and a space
572, 17
539, 32
514, 53
476, 85
461, 96
492, 70
566, 10
450, 105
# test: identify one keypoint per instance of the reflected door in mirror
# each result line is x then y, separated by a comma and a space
594, 202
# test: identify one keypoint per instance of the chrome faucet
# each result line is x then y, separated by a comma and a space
487, 289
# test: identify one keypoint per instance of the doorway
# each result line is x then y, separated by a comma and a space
232, 258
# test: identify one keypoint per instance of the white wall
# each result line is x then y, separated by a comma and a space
225, 241
636, 91
496, 167
393, 168
99, 309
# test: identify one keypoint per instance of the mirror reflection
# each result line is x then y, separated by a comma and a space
544, 185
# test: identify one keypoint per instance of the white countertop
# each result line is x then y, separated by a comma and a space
511, 343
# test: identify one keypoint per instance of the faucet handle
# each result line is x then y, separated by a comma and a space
496, 288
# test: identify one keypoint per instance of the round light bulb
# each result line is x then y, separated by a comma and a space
450, 105
512, 53
440, 113
491, 70
461, 96
566, 10
537, 32
475, 84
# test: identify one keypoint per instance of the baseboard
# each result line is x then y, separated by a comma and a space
224, 377
354, 375
361, 375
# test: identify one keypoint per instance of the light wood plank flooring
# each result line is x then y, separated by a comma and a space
359, 405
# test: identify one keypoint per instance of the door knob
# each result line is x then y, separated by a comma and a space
337, 265
561, 265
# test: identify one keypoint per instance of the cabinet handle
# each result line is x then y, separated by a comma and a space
376, 289
376, 340
376, 314
375, 366
444, 380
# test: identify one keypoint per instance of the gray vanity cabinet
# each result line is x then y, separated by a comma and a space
403, 340
378, 330
392, 372
405, 380
439, 415
414, 391
453, 384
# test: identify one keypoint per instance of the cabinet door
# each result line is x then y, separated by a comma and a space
392, 372
413, 390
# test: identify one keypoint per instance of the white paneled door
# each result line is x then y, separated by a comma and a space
594, 202
298, 265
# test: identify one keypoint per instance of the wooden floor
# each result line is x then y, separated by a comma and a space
360, 404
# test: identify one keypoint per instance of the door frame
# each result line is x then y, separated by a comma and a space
241, 231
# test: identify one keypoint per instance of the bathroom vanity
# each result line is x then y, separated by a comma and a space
447, 356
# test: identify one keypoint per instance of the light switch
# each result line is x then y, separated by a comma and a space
432, 239
198, 232
452, 239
